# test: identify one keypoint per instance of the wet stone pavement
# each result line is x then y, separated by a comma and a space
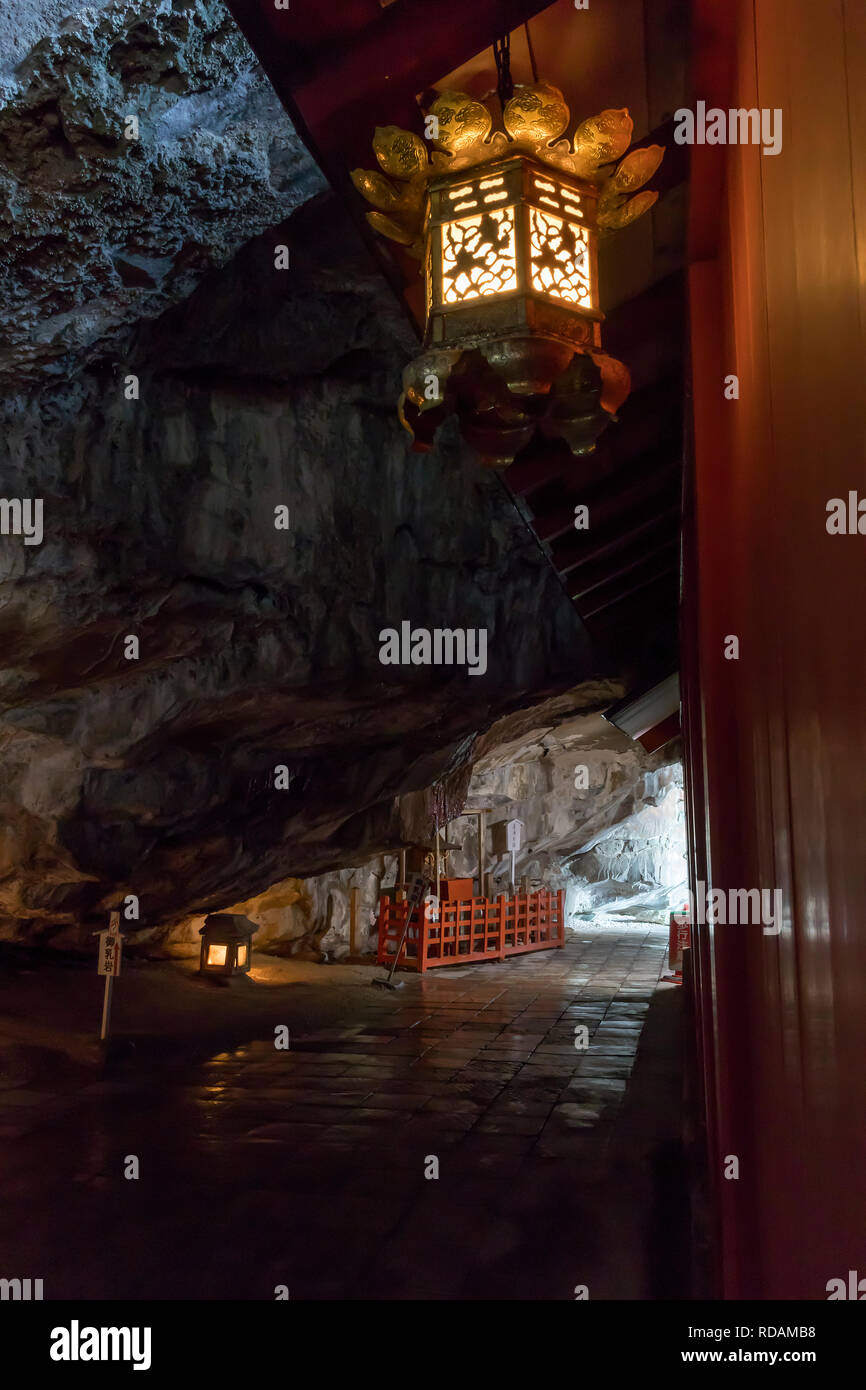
306, 1167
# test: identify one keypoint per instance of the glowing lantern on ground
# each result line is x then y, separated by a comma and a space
506, 225
226, 944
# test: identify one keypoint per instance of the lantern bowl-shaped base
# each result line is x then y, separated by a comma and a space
510, 389
528, 366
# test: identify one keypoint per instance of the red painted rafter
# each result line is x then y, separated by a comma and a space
623, 537
665, 576
665, 547
643, 477
357, 72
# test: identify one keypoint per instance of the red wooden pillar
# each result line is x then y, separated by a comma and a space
774, 740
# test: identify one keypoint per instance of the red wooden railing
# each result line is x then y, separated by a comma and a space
473, 930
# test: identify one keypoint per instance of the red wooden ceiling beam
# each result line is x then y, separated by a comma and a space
663, 547
662, 733
614, 513
636, 480
368, 73
301, 37
667, 576
623, 539
542, 461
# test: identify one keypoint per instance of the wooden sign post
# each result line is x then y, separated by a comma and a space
108, 964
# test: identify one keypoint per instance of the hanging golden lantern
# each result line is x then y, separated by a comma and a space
506, 225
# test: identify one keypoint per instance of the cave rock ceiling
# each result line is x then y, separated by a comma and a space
256, 648
99, 230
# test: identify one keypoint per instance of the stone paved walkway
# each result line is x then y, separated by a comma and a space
307, 1167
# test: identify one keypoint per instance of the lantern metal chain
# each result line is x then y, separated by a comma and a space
504, 82
531, 51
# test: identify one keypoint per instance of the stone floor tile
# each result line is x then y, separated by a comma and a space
313, 1161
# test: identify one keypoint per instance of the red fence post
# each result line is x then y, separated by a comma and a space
423, 938
541, 914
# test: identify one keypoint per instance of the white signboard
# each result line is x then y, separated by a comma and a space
431, 902
416, 887
514, 831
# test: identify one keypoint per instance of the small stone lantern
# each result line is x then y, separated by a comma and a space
226, 944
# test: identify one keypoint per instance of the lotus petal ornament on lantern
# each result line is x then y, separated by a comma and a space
506, 225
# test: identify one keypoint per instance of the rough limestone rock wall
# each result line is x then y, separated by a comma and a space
602, 818
307, 918
98, 229
615, 845
636, 866
153, 775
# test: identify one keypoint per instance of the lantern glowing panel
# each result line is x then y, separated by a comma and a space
479, 256
510, 234
225, 945
559, 258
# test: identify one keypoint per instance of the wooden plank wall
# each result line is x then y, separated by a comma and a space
776, 741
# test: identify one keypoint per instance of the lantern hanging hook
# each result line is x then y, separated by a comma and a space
504, 81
